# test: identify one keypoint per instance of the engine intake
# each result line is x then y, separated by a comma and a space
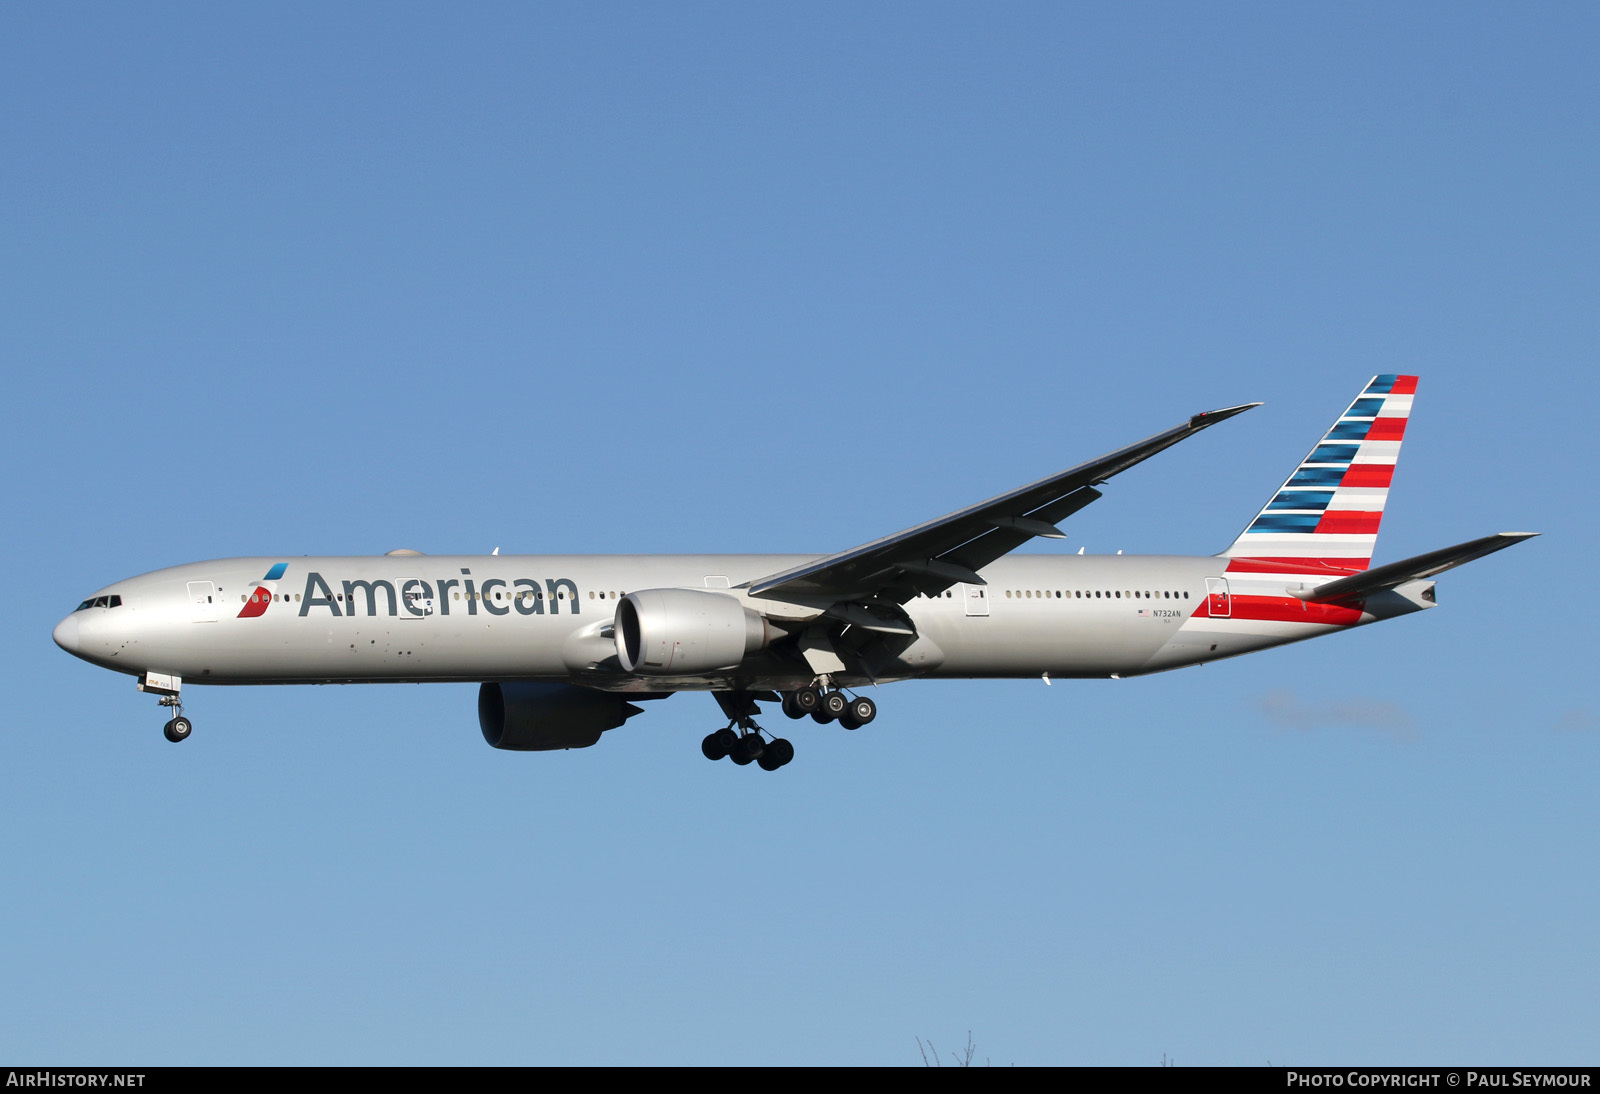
541, 717
683, 632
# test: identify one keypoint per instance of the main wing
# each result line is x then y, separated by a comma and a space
931, 557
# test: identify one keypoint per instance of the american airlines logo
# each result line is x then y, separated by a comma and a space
417, 597
261, 599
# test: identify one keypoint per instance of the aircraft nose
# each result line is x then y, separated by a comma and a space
66, 633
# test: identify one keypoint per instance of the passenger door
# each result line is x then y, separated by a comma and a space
1218, 604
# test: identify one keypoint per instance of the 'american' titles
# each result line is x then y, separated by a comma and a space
414, 596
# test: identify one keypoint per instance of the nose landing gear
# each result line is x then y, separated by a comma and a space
167, 690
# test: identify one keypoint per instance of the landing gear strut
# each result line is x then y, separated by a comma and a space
167, 690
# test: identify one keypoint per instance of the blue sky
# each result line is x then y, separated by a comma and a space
640, 278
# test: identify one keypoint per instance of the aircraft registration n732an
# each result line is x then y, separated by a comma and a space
563, 646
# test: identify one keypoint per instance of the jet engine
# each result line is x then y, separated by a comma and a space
684, 632
540, 717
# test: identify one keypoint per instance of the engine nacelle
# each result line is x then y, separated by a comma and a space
541, 717
684, 632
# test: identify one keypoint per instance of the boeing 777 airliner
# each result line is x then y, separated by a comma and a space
563, 646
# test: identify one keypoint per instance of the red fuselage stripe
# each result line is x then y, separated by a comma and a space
1281, 609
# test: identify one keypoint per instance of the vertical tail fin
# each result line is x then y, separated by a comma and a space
1326, 516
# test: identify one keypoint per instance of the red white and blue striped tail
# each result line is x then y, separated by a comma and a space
1325, 518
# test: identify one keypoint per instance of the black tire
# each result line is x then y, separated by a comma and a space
848, 720
712, 747
808, 700
789, 708
835, 703
863, 710
821, 717
178, 729
776, 755
750, 746
739, 758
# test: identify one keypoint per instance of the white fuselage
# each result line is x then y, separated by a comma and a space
538, 617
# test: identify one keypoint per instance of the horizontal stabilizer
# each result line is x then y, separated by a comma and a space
1411, 569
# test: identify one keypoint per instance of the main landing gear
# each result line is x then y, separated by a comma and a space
167, 690
832, 705
741, 739
747, 746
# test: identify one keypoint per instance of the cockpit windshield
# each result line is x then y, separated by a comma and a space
100, 602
